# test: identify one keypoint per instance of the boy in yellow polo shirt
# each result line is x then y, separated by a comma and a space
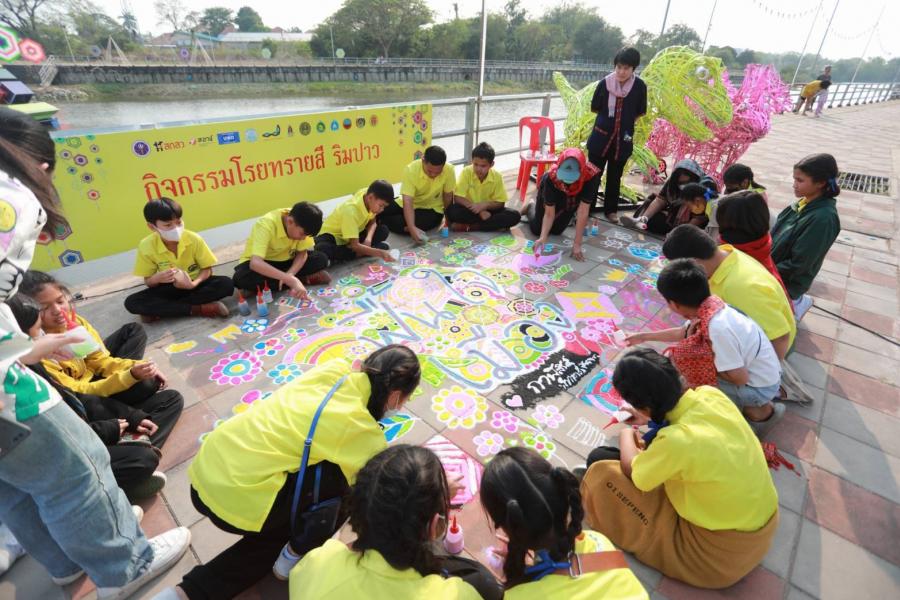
426, 190
351, 230
176, 265
280, 252
740, 280
479, 203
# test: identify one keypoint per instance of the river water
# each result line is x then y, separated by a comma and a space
106, 115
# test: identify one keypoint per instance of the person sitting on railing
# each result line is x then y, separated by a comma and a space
479, 203
426, 191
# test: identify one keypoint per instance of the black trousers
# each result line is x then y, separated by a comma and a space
131, 464
501, 218
327, 244
246, 278
164, 407
169, 301
614, 170
251, 558
425, 218
536, 218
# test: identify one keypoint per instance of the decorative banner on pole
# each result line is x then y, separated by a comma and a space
223, 172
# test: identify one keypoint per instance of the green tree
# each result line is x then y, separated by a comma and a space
94, 28
248, 19
174, 13
376, 27
24, 15
495, 46
215, 19
443, 40
597, 41
645, 43
746, 57
726, 54
679, 35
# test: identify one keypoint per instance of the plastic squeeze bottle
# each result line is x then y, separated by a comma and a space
243, 307
267, 293
80, 349
454, 542
261, 307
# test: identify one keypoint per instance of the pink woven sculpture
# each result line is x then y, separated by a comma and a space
761, 93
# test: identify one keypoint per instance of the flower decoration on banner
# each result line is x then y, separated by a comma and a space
9, 44
270, 347
548, 415
459, 408
540, 442
505, 420
488, 443
293, 334
283, 373
32, 51
254, 325
236, 368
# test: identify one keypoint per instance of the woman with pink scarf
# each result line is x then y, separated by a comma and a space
620, 98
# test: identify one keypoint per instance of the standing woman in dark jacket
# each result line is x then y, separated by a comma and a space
805, 230
620, 99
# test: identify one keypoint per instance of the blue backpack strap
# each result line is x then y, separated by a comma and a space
307, 445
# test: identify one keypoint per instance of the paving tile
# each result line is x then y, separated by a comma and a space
26, 579
881, 306
796, 593
860, 516
859, 463
884, 369
812, 410
873, 290
861, 338
827, 291
208, 541
865, 390
810, 370
177, 494
820, 323
795, 435
184, 442
157, 518
759, 583
778, 558
881, 262
831, 568
879, 277
879, 323
835, 267
814, 345
863, 424
791, 485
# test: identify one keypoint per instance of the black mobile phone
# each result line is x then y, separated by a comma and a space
12, 433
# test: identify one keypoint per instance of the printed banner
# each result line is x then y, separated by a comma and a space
222, 173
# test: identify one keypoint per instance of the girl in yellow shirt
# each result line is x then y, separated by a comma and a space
538, 507
398, 510
244, 477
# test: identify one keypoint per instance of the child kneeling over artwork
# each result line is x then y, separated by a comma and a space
718, 346
351, 230
697, 502
479, 202
279, 252
176, 265
399, 510
538, 508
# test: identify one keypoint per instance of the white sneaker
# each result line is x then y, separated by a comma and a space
286, 561
167, 594
167, 548
10, 549
801, 305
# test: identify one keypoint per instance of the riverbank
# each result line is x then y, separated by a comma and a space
387, 91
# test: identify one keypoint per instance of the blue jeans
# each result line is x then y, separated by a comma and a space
744, 395
59, 498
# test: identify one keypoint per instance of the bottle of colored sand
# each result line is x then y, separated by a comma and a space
83, 348
243, 306
454, 542
267, 293
261, 307
595, 227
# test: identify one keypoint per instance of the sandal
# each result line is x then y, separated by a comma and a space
612, 218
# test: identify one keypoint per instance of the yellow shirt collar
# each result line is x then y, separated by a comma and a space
726, 265
159, 245
687, 400
372, 560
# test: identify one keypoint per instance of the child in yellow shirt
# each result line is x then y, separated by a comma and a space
351, 230
176, 265
479, 202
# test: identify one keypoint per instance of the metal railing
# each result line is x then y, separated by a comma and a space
852, 94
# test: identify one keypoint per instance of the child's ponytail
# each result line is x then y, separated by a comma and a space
392, 368
821, 168
568, 487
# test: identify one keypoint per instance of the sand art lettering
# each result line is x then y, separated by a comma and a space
586, 433
561, 371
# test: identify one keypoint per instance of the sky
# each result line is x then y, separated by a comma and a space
737, 23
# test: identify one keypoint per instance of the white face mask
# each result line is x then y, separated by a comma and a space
171, 235
21, 221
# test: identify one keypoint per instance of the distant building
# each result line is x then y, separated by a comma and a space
183, 38
245, 39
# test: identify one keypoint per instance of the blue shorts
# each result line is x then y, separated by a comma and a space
744, 395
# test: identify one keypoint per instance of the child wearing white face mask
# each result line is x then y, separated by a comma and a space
176, 265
